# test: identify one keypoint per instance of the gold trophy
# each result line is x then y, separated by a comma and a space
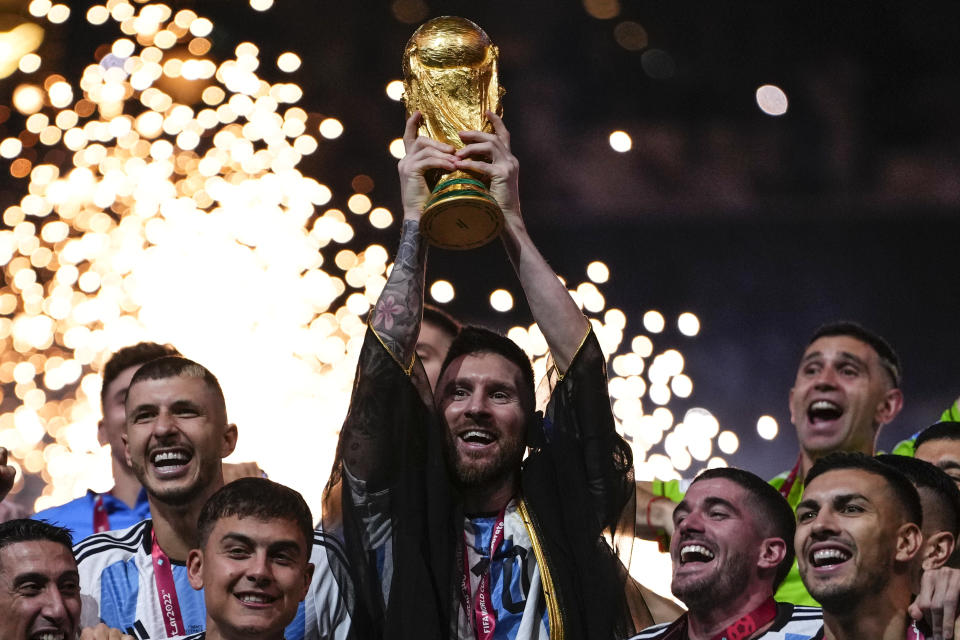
450, 76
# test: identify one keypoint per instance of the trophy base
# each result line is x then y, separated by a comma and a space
461, 215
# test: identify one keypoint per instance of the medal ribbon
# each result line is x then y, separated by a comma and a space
166, 589
101, 521
791, 478
479, 611
750, 623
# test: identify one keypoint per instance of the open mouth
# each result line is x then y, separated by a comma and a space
695, 553
478, 437
48, 635
170, 461
823, 411
254, 599
827, 557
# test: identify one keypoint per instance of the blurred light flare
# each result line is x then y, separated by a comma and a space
621, 141
501, 300
442, 291
395, 90
772, 100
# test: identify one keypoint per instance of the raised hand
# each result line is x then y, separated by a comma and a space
422, 155
489, 154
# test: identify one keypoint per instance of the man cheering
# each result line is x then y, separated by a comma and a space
488, 544
732, 546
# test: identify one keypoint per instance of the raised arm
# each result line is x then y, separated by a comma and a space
396, 316
561, 321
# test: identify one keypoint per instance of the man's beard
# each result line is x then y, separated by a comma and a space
173, 496
474, 474
719, 587
847, 596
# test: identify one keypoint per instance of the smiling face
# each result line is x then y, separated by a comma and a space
39, 591
841, 397
849, 526
481, 398
254, 573
176, 435
716, 546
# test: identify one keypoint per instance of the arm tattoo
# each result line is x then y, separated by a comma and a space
396, 316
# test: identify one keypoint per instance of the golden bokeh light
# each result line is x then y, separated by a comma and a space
288, 62
397, 149
395, 90
331, 128
621, 141
442, 291
653, 321
501, 300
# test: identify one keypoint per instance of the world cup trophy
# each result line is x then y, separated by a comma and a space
450, 76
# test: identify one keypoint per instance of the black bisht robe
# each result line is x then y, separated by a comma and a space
577, 482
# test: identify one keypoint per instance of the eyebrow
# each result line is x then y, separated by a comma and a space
711, 501
274, 546
948, 464
186, 404
843, 354
714, 501
36, 576
841, 499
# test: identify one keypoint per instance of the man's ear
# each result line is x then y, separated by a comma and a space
772, 553
102, 434
195, 568
909, 542
126, 446
889, 407
229, 440
937, 550
307, 577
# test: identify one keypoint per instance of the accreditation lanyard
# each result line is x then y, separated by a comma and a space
101, 521
750, 623
479, 611
166, 589
791, 479
913, 633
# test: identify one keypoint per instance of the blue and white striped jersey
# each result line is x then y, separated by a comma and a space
118, 588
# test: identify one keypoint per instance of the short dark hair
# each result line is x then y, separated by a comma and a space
131, 356
939, 431
924, 475
441, 319
775, 514
888, 357
472, 340
28, 530
176, 366
906, 494
256, 498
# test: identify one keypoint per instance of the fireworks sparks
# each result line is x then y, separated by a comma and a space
180, 216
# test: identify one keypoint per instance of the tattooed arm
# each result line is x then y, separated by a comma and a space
396, 316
